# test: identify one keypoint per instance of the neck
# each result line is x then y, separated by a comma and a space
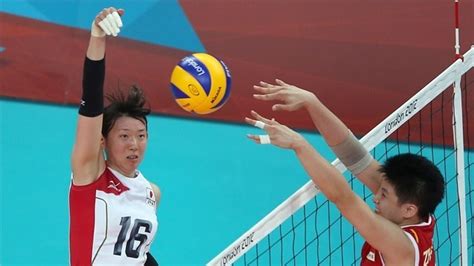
131, 174
412, 220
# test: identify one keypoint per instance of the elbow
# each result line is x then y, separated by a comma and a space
339, 195
345, 200
334, 196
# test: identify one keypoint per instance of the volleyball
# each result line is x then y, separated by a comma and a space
201, 83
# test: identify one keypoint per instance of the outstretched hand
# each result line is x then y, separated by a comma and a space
107, 22
278, 134
292, 97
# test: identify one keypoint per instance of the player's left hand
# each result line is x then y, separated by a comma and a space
291, 98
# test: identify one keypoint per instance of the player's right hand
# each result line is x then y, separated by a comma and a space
107, 22
291, 97
278, 134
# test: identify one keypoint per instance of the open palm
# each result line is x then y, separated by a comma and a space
291, 97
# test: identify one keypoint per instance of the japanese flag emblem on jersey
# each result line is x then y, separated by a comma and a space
150, 197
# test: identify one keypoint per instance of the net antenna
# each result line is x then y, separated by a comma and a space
457, 46
452, 75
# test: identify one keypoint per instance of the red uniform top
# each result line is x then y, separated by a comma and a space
420, 235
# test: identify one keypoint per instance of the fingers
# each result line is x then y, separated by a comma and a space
266, 97
120, 11
269, 92
109, 21
106, 27
256, 123
264, 87
281, 82
265, 139
260, 121
254, 138
260, 139
263, 123
284, 107
263, 119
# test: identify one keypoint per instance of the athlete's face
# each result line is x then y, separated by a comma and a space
125, 145
386, 203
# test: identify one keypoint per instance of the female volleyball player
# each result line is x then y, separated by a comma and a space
112, 205
407, 188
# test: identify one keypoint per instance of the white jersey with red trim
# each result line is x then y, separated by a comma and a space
112, 221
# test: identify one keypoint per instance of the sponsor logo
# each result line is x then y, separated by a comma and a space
114, 186
190, 62
193, 90
237, 249
216, 95
227, 72
398, 119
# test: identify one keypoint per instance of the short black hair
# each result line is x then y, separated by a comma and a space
416, 180
131, 104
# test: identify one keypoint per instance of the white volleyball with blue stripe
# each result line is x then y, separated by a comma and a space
201, 83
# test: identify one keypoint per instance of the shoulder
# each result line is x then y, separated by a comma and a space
422, 232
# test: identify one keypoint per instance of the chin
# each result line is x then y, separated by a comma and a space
135, 166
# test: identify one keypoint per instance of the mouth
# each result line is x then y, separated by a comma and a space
132, 157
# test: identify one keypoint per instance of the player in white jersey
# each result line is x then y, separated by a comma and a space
112, 205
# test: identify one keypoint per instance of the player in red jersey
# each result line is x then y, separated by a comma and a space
112, 205
407, 187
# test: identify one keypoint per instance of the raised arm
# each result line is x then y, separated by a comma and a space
334, 131
87, 160
374, 228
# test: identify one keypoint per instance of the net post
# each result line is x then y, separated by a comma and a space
459, 147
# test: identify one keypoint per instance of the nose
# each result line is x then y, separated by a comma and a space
133, 144
376, 198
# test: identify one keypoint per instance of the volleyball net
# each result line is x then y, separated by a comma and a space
307, 229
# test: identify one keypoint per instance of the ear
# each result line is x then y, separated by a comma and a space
409, 210
103, 143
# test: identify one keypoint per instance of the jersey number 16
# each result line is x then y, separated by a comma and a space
134, 236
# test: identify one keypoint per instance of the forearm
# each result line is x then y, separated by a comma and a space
96, 48
329, 125
344, 144
92, 103
327, 178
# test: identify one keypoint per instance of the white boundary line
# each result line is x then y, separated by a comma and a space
370, 140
